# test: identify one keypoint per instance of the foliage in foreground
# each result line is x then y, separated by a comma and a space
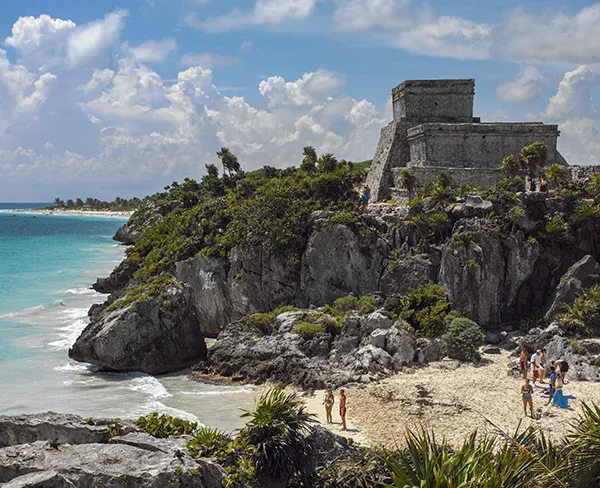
273, 450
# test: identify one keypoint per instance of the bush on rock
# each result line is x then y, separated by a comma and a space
462, 339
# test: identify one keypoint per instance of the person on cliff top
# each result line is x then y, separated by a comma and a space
364, 198
527, 395
523, 362
543, 185
328, 401
535, 365
343, 408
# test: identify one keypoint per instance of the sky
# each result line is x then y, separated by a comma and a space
122, 97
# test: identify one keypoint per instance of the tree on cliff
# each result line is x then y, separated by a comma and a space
408, 181
212, 171
309, 159
327, 163
533, 157
510, 166
229, 161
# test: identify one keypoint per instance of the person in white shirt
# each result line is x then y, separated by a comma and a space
536, 361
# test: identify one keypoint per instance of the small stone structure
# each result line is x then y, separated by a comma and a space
434, 132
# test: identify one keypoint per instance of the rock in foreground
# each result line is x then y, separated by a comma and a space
154, 335
69, 452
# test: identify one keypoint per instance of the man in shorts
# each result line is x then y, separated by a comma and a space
536, 362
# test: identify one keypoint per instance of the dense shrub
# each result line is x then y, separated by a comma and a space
264, 322
583, 316
165, 425
423, 308
307, 330
462, 339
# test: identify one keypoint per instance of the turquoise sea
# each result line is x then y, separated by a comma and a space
47, 266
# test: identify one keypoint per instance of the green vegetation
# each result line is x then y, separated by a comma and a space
583, 316
115, 429
424, 308
154, 288
264, 322
408, 180
165, 425
274, 449
269, 207
462, 339
117, 205
557, 228
308, 329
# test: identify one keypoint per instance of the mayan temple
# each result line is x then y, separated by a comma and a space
434, 131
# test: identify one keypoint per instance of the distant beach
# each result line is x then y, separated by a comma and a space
73, 213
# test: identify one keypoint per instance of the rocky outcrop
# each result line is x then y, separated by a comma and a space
403, 274
365, 347
248, 281
153, 335
583, 274
55, 450
338, 261
118, 278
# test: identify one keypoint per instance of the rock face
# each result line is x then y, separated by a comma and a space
368, 346
337, 262
54, 450
153, 336
117, 280
583, 274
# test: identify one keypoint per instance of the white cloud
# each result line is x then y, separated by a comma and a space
579, 122
363, 15
100, 78
48, 146
550, 36
528, 86
207, 60
152, 51
451, 37
312, 88
264, 12
90, 40
246, 46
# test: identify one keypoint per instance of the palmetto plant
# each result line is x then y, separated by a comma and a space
277, 428
583, 316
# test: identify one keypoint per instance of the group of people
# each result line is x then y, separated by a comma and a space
329, 402
538, 184
539, 368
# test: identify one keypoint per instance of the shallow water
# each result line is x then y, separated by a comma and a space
47, 266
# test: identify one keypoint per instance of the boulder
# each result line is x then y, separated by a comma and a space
475, 203
337, 261
376, 320
328, 446
538, 338
378, 338
401, 346
579, 366
429, 350
370, 359
403, 274
491, 350
154, 336
583, 274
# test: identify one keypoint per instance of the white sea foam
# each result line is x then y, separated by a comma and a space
69, 334
27, 312
81, 291
156, 406
218, 392
73, 367
149, 385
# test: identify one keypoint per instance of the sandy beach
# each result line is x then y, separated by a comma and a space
452, 402
73, 213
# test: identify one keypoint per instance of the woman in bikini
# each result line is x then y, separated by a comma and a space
328, 401
526, 393
523, 360
343, 408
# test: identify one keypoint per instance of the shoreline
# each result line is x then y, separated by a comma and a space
71, 213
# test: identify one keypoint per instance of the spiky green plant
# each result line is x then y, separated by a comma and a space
278, 427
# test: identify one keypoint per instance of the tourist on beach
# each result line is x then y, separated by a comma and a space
550, 390
343, 408
535, 364
328, 401
523, 361
542, 368
527, 394
559, 399
365, 197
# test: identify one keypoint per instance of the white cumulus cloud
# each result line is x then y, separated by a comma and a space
207, 60
528, 86
152, 51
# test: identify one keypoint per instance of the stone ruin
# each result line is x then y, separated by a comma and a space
434, 132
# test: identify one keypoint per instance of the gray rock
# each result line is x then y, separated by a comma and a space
154, 336
370, 359
401, 345
62, 428
377, 320
583, 274
284, 323
579, 366
407, 273
429, 350
591, 346
475, 202
378, 338
118, 278
337, 262
491, 350
492, 337
538, 338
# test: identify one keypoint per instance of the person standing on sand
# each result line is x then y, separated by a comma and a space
559, 399
343, 408
535, 364
328, 401
527, 393
523, 363
542, 368
552, 385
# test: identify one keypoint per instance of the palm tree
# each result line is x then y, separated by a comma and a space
309, 159
327, 163
510, 166
277, 427
212, 171
555, 174
533, 157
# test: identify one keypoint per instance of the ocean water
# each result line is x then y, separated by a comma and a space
47, 266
